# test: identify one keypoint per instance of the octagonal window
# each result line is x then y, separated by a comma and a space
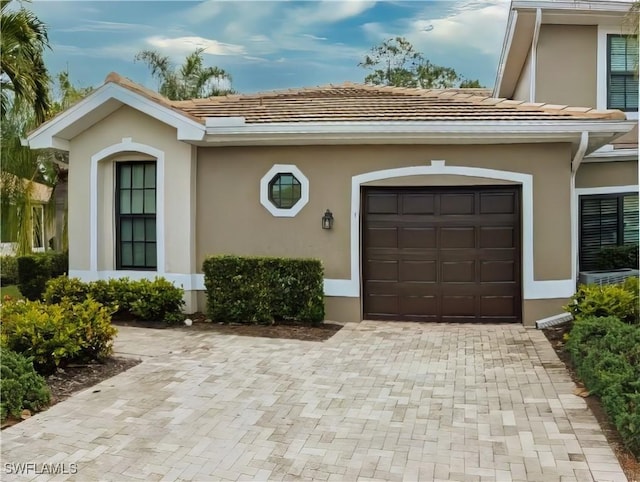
285, 190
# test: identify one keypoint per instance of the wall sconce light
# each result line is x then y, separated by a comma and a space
327, 220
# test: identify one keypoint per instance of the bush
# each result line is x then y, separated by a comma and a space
157, 300
619, 300
606, 353
264, 290
36, 269
20, 386
8, 270
616, 257
55, 335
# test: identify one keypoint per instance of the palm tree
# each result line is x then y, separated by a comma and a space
23, 75
190, 81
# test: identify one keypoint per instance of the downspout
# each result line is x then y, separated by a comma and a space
575, 164
534, 55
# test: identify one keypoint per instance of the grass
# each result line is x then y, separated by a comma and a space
10, 290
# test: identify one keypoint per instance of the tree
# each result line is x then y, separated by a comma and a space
190, 81
23, 75
396, 62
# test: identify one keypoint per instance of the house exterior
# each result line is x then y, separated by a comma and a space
447, 205
583, 53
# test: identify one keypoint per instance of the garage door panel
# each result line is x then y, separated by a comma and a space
418, 203
458, 237
442, 254
379, 237
417, 270
497, 306
422, 306
418, 238
497, 237
381, 270
491, 271
458, 306
458, 272
382, 203
497, 203
458, 203
386, 305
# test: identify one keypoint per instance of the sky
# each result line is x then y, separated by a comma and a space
267, 45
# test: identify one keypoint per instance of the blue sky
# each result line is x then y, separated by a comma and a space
268, 45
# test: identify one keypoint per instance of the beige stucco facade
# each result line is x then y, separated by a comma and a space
567, 65
209, 202
604, 174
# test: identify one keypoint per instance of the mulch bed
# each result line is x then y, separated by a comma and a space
628, 461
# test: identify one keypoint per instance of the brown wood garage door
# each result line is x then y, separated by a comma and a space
442, 254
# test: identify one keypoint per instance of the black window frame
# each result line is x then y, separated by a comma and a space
119, 216
620, 215
628, 74
274, 180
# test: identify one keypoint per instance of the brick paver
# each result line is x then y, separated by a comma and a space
378, 401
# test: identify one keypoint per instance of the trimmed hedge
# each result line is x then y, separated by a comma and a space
55, 335
20, 386
157, 300
264, 289
35, 270
606, 353
616, 257
8, 270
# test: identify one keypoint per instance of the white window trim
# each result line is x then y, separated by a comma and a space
531, 288
575, 213
127, 145
264, 190
601, 77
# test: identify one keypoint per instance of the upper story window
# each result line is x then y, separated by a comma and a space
285, 190
622, 65
136, 215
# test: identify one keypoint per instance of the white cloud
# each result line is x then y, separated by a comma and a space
101, 26
186, 45
313, 37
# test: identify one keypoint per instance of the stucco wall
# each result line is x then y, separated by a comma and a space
230, 218
178, 192
566, 65
523, 87
602, 174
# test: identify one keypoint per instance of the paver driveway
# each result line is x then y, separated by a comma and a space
386, 401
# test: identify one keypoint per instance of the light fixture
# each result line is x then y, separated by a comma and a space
327, 220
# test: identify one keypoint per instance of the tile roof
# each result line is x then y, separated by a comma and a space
358, 103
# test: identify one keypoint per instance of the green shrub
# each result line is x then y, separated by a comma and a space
20, 386
8, 270
54, 335
264, 290
606, 354
616, 257
63, 288
157, 300
617, 300
36, 269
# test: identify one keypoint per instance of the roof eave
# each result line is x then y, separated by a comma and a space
57, 132
452, 132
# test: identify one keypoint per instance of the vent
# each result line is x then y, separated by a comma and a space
606, 277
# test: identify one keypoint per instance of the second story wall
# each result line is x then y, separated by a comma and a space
566, 70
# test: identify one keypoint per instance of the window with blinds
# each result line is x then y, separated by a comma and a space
622, 83
606, 220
